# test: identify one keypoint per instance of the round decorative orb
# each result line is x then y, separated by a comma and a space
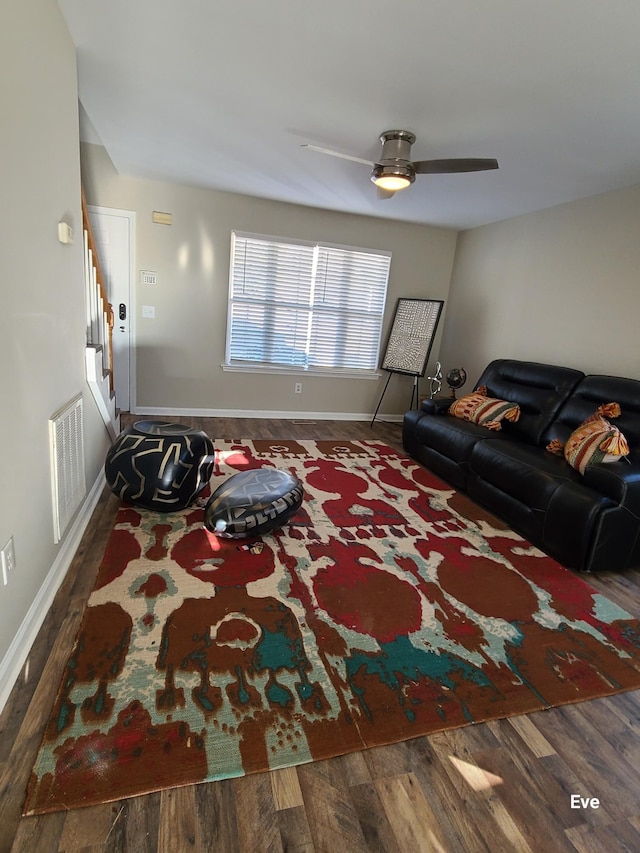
159, 465
253, 503
456, 379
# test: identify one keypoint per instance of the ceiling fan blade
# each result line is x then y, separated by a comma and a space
332, 153
443, 167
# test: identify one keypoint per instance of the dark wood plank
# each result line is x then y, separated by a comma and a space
355, 767
602, 771
333, 819
391, 760
521, 797
529, 775
618, 837
135, 826
374, 821
485, 816
90, 827
216, 809
295, 833
410, 814
463, 817
257, 823
34, 834
621, 724
285, 788
179, 829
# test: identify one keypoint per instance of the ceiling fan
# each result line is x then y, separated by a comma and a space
395, 170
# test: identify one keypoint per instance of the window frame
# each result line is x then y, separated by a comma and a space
246, 366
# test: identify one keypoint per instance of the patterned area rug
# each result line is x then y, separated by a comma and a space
388, 608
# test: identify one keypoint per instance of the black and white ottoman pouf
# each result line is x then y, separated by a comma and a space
159, 465
253, 503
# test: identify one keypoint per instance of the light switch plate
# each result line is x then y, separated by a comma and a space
149, 312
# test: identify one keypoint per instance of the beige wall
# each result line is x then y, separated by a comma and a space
42, 325
180, 352
560, 286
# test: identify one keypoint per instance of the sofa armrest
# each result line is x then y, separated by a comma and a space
619, 481
436, 405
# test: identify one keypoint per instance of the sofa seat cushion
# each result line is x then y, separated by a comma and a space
443, 444
451, 437
541, 497
528, 474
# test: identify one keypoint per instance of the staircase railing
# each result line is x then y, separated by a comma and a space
100, 318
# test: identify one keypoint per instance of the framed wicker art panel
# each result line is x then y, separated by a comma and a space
411, 337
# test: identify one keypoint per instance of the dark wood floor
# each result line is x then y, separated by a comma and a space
499, 786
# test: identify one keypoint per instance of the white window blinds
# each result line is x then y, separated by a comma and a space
305, 306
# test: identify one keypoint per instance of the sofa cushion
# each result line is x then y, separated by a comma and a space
538, 389
565, 528
590, 393
449, 436
540, 496
485, 411
443, 444
528, 474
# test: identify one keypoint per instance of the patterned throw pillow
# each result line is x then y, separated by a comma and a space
595, 441
485, 411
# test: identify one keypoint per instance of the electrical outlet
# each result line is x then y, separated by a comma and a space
8, 557
298, 388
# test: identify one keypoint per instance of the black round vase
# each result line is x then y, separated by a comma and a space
159, 465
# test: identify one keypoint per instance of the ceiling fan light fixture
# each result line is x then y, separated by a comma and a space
392, 177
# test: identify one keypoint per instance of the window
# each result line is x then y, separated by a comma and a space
304, 306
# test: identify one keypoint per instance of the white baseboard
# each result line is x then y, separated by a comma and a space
20, 647
260, 413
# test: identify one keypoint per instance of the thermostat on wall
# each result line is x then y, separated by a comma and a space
148, 277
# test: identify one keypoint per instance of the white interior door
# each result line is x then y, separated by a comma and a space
113, 232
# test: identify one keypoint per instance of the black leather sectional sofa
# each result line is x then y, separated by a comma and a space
589, 522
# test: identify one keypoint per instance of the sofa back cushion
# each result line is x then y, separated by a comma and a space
592, 392
539, 389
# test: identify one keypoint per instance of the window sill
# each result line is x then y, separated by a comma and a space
290, 371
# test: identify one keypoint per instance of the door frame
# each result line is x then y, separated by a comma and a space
130, 215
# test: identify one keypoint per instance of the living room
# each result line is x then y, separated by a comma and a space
509, 287
556, 285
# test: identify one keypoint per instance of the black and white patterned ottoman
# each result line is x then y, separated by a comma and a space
159, 465
253, 503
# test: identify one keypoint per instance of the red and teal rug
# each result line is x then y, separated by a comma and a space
389, 607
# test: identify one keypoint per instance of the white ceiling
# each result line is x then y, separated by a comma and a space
223, 93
